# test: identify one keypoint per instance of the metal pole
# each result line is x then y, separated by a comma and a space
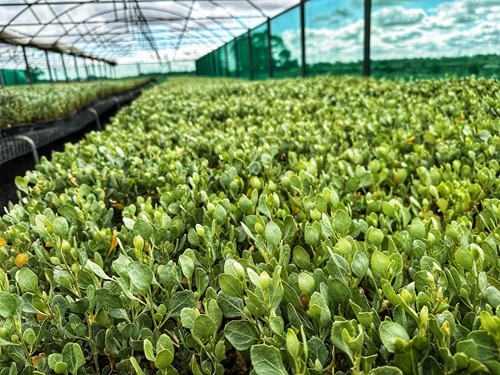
227, 60
2, 80
236, 57
269, 48
76, 68
28, 73
99, 64
48, 65
86, 69
303, 66
138, 68
64, 67
250, 56
366, 57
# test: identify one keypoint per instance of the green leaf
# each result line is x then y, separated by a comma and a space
27, 280
60, 226
342, 222
360, 264
149, 350
242, 334
312, 236
188, 315
108, 299
464, 258
96, 269
179, 301
8, 305
204, 327
266, 360
141, 276
193, 237
69, 212
220, 214
380, 263
480, 346
187, 265
164, 358
73, 356
390, 333
386, 370
231, 307
143, 229
273, 233
201, 279
230, 285
136, 366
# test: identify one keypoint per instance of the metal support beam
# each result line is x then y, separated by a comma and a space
139, 68
64, 67
28, 72
250, 56
48, 65
366, 57
86, 69
2, 80
303, 66
269, 48
76, 68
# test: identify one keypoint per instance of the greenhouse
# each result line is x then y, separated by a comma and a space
250, 187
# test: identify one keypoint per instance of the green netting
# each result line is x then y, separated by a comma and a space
416, 40
285, 44
242, 50
14, 77
334, 37
260, 56
231, 58
223, 62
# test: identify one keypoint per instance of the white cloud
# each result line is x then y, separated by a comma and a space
397, 16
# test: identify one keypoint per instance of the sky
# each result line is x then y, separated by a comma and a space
400, 29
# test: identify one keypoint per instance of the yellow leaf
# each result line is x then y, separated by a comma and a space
2, 242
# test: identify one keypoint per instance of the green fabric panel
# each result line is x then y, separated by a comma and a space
334, 37
14, 77
260, 57
231, 58
243, 56
285, 42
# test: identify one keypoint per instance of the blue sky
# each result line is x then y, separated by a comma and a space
400, 29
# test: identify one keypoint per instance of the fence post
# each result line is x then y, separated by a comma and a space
64, 67
48, 65
303, 67
28, 73
86, 69
76, 67
366, 57
269, 48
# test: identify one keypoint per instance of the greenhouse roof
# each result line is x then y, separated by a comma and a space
131, 30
